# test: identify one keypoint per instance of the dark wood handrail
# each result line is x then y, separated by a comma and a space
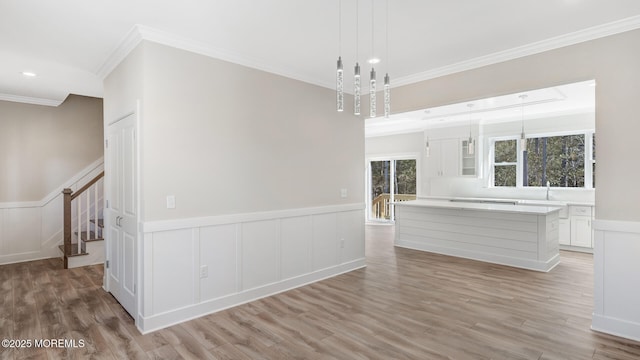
68, 196
77, 193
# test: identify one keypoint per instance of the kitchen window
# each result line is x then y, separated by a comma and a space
505, 164
562, 160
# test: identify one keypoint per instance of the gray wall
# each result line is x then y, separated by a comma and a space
41, 147
226, 139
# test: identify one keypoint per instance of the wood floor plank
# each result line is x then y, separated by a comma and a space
405, 304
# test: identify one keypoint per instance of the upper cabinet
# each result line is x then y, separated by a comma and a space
467, 161
444, 158
450, 157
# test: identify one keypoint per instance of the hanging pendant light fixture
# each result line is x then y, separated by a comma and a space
427, 150
372, 76
387, 81
523, 138
356, 77
470, 142
339, 70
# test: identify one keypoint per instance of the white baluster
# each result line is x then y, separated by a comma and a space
78, 217
88, 216
95, 210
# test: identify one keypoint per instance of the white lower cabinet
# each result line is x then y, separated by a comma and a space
581, 231
575, 230
564, 228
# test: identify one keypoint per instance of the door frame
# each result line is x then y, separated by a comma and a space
138, 275
367, 179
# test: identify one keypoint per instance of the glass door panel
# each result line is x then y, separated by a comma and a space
380, 190
390, 180
404, 180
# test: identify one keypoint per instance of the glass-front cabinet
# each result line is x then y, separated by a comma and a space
467, 161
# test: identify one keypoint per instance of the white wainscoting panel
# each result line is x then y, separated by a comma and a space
325, 241
295, 254
173, 270
352, 237
246, 257
260, 253
219, 252
616, 276
23, 226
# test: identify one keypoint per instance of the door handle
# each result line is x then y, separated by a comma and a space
118, 218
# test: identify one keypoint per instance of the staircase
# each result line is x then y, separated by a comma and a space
83, 225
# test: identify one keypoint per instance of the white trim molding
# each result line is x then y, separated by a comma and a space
616, 268
177, 224
592, 33
31, 100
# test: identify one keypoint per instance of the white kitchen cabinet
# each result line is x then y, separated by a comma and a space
564, 229
467, 162
581, 231
444, 158
575, 230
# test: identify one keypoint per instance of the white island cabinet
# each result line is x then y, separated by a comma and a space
516, 235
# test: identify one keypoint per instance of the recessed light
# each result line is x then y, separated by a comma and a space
29, 74
373, 61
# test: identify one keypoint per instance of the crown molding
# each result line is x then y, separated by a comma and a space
142, 32
31, 100
126, 45
557, 42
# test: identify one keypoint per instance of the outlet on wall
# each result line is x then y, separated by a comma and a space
342, 243
204, 271
171, 202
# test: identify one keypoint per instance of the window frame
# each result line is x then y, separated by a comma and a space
492, 163
588, 160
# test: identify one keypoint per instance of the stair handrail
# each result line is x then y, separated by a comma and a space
68, 196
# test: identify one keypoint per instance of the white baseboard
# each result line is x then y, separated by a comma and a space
617, 327
160, 321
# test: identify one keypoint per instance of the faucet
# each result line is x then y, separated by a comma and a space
548, 186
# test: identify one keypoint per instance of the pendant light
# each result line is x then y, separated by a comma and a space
427, 150
339, 70
372, 76
470, 142
523, 138
356, 77
387, 81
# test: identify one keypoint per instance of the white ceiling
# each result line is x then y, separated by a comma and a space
70, 43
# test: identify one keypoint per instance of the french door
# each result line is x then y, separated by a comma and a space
388, 181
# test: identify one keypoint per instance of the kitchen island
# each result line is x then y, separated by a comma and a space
522, 236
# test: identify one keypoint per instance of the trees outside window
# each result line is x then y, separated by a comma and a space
556, 159
564, 161
505, 162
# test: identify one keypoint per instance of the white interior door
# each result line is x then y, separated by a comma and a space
122, 213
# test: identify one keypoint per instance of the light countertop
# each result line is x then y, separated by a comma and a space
459, 205
540, 202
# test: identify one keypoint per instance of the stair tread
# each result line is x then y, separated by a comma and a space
74, 251
92, 236
100, 222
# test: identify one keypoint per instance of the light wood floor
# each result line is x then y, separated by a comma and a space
404, 305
